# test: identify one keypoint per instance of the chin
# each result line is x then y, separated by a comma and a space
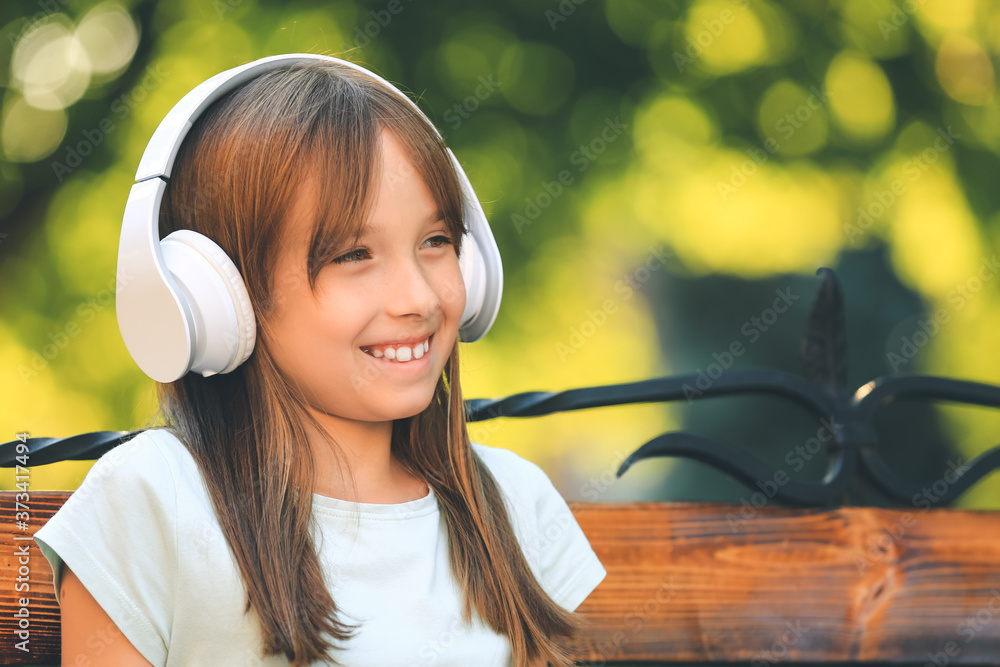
405, 406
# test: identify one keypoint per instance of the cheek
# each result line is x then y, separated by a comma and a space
288, 288
451, 289
314, 332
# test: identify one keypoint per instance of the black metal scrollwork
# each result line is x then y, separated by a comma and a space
822, 391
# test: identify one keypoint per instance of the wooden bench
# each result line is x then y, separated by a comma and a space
710, 582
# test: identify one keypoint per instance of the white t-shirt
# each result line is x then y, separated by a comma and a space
141, 535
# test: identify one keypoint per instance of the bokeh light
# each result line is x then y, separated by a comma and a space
793, 118
860, 97
747, 140
965, 71
110, 37
50, 65
28, 133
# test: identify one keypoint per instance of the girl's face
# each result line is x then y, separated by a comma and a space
352, 346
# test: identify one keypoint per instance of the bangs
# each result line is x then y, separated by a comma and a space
342, 149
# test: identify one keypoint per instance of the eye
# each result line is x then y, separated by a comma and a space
351, 256
358, 254
444, 240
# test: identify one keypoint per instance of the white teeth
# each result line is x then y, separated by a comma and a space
403, 353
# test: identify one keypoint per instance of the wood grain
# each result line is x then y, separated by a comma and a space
698, 582
709, 582
42, 609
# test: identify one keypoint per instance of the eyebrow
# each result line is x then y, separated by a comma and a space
378, 229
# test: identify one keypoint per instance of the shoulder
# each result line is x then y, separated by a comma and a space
135, 482
532, 499
138, 462
152, 444
509, 465
530, 492
151, 461
135, 490
556, 548
149, 449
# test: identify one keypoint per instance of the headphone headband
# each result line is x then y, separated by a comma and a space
158, 158
181, 302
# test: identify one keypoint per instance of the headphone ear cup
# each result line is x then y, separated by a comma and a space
482, 269
225, 329
473, 270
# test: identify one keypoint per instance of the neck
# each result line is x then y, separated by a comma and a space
366, 449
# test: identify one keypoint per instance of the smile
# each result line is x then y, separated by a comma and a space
399, 353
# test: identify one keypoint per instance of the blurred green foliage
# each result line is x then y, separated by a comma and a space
653, 172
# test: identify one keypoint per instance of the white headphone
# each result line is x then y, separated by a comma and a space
182, 304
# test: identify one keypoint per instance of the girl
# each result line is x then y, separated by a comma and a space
320, 503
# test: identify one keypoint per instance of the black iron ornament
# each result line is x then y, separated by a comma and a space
822, 390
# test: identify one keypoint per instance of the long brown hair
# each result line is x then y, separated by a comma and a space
235, 177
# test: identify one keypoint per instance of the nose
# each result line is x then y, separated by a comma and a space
411, 290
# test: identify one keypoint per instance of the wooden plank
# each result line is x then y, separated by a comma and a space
42, 610
701, 582
697, 582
